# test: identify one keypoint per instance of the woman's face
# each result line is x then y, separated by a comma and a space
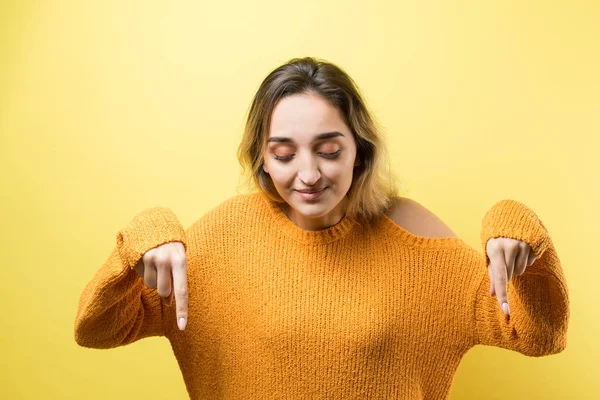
310, 148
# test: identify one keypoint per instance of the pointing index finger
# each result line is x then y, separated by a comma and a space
500, 273
180, 289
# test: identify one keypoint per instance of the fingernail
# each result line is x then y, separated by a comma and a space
181, 323
505, 308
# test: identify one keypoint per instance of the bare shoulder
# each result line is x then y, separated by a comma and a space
417, 219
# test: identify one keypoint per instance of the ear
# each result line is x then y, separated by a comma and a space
264, 167
356, 161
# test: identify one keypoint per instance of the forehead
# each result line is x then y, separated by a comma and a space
302, 116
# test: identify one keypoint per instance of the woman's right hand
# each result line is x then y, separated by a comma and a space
164, 268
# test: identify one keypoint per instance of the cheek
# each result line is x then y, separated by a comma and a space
339, 171
280, 175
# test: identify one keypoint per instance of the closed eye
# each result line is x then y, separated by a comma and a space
331, 155
326, 155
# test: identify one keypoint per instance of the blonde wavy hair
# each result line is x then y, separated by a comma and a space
373, 186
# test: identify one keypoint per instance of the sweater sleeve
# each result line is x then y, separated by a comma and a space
116, 308
539, 300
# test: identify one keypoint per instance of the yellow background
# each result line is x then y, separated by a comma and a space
107, 108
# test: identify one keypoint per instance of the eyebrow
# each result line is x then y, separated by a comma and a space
320, 136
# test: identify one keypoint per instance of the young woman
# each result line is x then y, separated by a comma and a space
324, 283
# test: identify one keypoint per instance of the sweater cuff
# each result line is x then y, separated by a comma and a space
513, 219
147, 230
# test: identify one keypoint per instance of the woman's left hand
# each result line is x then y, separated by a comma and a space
507, 257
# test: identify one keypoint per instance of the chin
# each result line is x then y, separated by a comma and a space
313, 210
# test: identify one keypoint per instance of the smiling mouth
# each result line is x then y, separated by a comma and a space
311, 191
311, 196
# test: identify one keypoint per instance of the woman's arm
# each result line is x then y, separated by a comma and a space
116, 308
539, 300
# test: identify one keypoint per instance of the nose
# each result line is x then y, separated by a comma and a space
308, 171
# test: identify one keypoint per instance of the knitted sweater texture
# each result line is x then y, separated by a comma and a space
347, 312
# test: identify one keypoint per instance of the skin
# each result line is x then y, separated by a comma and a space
165, 268
310, 162
508, 257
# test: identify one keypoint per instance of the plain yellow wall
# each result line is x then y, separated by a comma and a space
107, 108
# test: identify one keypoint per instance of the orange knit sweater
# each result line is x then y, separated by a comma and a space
278, 312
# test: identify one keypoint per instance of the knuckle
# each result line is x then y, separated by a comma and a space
147, 257
181, 291
177, 258
511, 249
161, 259
178, 246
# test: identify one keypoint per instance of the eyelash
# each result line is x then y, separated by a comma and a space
327, 155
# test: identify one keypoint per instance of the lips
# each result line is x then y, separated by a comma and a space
311, 190
310, 194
